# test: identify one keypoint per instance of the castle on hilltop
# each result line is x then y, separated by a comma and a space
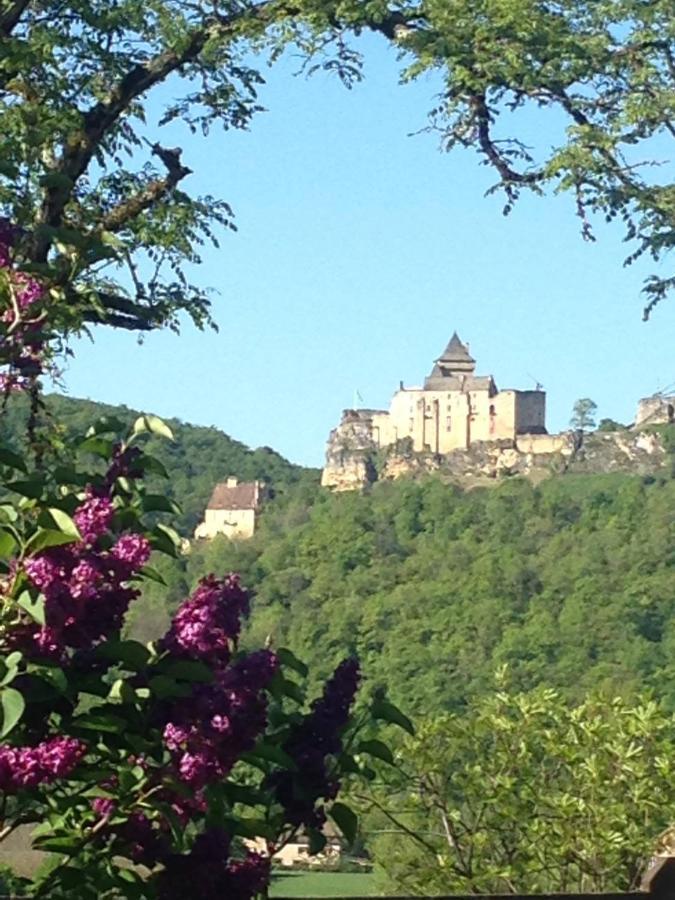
460, 424
456, 408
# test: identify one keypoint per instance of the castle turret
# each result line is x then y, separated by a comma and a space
454, 363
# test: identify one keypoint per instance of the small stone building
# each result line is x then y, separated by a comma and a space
231, 510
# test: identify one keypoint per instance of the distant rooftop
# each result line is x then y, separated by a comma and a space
231, 494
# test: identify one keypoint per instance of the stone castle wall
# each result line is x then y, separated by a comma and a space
655, 410
354, 461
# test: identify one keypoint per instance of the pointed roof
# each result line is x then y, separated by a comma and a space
456, 351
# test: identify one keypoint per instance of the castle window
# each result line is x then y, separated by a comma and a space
448, 423
411, 425
449, 407
492, 410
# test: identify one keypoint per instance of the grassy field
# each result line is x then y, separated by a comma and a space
322, 884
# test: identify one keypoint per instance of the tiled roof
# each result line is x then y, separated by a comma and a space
240, 496
456, 351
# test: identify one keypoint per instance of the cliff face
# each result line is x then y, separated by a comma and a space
353, 461
350, 454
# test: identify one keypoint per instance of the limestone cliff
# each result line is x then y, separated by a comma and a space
350, 453
353, 461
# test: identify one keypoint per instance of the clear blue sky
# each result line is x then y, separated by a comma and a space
360, 249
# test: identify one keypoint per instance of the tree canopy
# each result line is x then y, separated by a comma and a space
601, 72
106, 220
523, 794
106, 217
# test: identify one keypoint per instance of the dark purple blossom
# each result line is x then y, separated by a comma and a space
207, 732
207, 625
85, 587
28, 290
28, 767
93, 517
132, 550
208, 866
104, 807
311, 744
144, 844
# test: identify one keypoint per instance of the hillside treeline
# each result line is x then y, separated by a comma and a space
197, 458
571, 583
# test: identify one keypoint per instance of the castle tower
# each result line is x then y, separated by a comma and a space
454, 362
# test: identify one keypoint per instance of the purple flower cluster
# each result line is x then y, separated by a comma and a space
28, 767
312, 742
207, 733
104, 807
207, 625
93, 517
21, 342
209, 865
85, 587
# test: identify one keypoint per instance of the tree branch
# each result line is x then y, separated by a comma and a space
119, 312
101, 117
118, 217
10, 18
487, 145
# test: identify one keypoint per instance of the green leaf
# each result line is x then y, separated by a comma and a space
47, 537
96, 721
34, 608
188, 670
284, 687
346, 820
8, 543
270, 753
317, 840
67, 845
387, 712
171, 533
154, 425
131, 654
148, 573
159, 503
288, 658
13, 460
64, 522
150, 464
377, 749
32, 489
105, 425
52, 675
98, 446
8, 511
13, 705
164, 687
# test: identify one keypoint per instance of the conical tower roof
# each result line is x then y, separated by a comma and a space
456, 351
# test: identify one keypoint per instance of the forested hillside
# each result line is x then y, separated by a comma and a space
195, 461
571, 583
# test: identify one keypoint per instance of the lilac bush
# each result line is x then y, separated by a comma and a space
146, 769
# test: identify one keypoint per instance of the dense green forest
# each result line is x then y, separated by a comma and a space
195, 460
571, 582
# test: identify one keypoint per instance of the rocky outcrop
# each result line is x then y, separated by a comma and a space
353, 460
350, 454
